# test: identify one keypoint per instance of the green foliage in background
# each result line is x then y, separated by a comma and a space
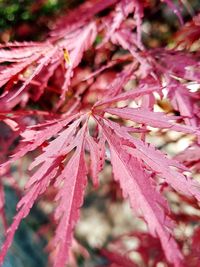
13, 12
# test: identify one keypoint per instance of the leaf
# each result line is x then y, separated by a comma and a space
178, 64
97, 157
117, 258
152, 118
50, 161
70, 199
189, 33
130, 95
21, 44
184, 102
122, 10
158, 162
41, 63
86, 11
136, 185
34, 138
11, 70
61, 145
190, 157
27, 202
20, 53
126, 40
86, 38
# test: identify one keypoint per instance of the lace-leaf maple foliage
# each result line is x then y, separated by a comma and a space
91, 88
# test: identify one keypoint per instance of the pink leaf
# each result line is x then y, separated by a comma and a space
97, 157
27, 202
143, 197
70, 199
117, 258
154, 119
61, 145
158, 162
42, 62
130, 95
34, 138
86, 38
10, 71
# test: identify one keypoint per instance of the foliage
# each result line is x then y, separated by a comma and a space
87, 95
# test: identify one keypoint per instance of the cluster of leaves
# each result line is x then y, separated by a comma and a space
88, 94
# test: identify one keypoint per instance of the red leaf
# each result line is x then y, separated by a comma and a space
34, 138
70, 199
120, 260
50, 161
86, 38
143, 197
154, 119
158, 162
97, 157
27, 202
